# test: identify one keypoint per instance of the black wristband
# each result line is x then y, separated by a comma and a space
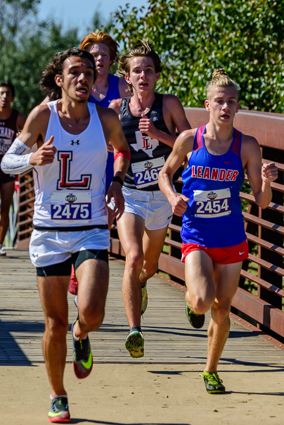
117, 179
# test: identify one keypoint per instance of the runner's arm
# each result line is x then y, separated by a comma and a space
259, 176
18, 158
173, 108
181, 148
114, 135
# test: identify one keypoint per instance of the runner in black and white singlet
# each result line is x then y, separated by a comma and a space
150, 122
214, 241
70, 218
11, 121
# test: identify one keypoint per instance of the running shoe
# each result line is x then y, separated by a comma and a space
2, 252
196, 320
144, 299
213, 384
59, 412
135, 344
73, 284
82, 356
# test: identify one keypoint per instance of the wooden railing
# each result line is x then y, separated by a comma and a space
26, 209
260, 294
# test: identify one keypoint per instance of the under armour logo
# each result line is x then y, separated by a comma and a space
73, 142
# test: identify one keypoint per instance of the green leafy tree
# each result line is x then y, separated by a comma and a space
26, 47
194, 37
15, 16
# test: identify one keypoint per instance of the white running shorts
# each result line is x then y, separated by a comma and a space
52, 247
153, 207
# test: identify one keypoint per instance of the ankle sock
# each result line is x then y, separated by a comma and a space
135, 328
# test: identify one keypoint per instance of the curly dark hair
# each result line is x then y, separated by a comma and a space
47, 82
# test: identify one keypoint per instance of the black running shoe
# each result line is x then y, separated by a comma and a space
213, 384
59, 412
82, 357
196, 320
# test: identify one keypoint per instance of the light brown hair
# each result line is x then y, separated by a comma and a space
141, 49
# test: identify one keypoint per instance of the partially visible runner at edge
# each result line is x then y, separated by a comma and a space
214, 242
150, 122
11, 121
70, 215
106, 88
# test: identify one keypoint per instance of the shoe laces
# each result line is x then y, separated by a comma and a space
82, 349
212, 378
58, 404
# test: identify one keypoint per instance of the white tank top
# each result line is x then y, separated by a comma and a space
71, 191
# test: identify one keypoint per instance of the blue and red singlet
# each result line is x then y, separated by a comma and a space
212, 183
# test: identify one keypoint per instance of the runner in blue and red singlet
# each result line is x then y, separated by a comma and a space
214, 240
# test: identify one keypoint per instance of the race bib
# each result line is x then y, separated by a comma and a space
71, 206
4, 145
212, 203
146, 173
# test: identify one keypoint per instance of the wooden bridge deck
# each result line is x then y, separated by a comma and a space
168, 336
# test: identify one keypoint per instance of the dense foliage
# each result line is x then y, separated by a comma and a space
26, 46
194, 37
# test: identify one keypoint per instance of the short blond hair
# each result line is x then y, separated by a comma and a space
101, 37
221, 79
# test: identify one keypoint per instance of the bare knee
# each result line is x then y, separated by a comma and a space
149, 269
91, 319
134, 260
57, 328
201, 301
200, 305
220, 312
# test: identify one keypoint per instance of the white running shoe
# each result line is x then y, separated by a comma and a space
2, 252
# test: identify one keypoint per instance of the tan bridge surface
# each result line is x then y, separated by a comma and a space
163, 387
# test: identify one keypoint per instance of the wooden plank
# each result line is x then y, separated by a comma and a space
169, 339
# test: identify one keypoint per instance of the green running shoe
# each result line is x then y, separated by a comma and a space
82, 356
213, 384
144, 299
196, 320
59, 412
135, 344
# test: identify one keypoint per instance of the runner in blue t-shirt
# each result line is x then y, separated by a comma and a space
214, 241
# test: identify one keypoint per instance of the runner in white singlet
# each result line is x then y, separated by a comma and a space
70, 221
